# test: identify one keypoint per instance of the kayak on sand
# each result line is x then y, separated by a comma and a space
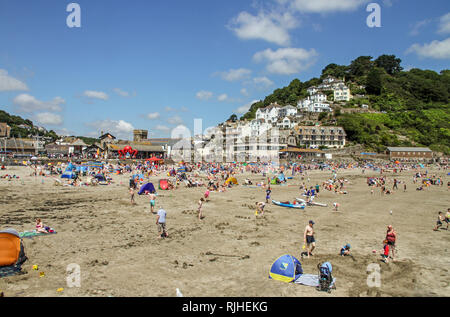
289, 205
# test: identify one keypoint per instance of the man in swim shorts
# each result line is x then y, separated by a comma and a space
152, 203
308, 239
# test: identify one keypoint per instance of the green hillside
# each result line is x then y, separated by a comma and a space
413, 106
20, 132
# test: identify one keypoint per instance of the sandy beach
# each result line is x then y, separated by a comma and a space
230, 252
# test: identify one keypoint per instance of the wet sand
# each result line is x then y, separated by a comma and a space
230, 252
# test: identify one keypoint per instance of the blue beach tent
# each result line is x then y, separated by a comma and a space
68, 175
147, 187
70, 168
286, 269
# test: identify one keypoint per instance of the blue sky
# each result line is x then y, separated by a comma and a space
158, 64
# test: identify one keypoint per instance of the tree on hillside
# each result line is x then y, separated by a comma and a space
374, 82
390, 63
233, 118
361, 66
337, 71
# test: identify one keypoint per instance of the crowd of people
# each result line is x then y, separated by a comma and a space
215, 177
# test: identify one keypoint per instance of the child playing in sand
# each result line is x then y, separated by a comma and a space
385, 254
441, 218
260, 208
345, 250
336, 206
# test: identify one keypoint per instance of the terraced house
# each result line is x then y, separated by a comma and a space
317, 136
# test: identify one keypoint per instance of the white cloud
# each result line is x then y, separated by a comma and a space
324, 6
263, 81
49, 118
435, 49
119, 128
223, 97
162, 128
243, 109
95, 95
169, 109
235, 74
184, 109
272, 27
244, 92
416, 27
67, 132
8, 83
175, 120
28, 103
121, 92
153, 115
444, 24
204, 95
286, 61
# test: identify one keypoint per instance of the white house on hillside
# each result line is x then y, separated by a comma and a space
318, 97
287, 111
342, 93
307, 105
270, 113
312, 90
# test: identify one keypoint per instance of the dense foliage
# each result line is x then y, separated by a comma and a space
412, 106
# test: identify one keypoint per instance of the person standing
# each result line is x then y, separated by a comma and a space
308, 238
200, 205
268, 192
161, 223
132, 196
391, 237
152, 202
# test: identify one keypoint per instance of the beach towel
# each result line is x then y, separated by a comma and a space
310, 280
33, 233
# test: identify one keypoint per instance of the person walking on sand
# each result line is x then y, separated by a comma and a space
200, 205
308, 239
268, 192
161, 223
391, 237
132, 196
152, 202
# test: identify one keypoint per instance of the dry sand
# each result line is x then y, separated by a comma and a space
230, 252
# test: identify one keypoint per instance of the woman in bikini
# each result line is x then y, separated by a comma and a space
40, 226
